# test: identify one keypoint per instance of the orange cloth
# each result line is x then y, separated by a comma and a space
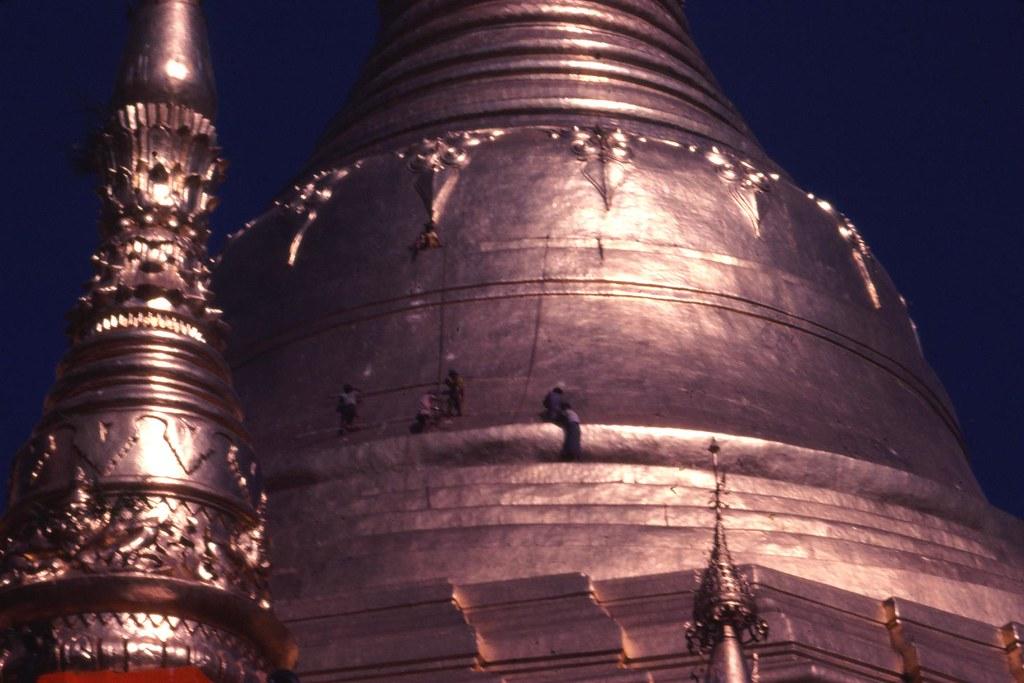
183, 674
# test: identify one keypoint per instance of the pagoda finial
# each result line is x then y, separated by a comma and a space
167, 58
135, 533
725, 613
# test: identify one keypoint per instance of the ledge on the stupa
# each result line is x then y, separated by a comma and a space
568, 627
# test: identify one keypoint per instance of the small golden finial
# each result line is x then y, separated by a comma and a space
724, 610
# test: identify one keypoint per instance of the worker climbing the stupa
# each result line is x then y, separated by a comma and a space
455, 387
348, 408
572, 447
428, 239
553, 405
428, 413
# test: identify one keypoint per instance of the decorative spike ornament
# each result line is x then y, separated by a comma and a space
725, 616
135, 533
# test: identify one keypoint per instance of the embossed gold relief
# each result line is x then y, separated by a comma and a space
136, 442
437, 154
304, 202
747, 183
128, 641
156, 321
95, 533
859, 250
430, 159
160, 166
861, 256
605, 154
436, 163
162, 156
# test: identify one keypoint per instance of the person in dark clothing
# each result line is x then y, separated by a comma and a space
553, 405
348, 407
572, 447
456, 389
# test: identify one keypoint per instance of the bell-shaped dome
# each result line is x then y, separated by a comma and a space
606, 221
538, 193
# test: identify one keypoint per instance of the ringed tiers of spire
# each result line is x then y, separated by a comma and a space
460, 66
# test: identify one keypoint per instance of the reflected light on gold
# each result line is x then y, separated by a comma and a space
162, 194
160, 303
176, 69
293, 249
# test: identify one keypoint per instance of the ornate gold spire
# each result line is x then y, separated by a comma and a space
135, 533
724, 609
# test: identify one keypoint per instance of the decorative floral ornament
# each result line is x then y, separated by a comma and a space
604, 153
746, 181
859, 250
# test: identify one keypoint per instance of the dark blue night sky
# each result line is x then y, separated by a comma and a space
906, 114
